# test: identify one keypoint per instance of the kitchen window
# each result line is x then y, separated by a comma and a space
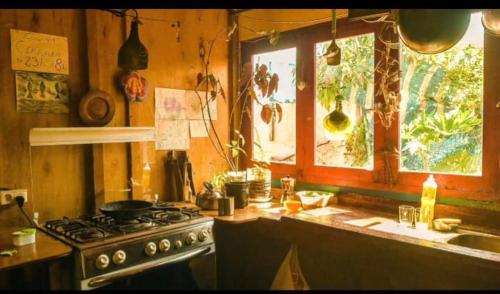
344, 97
441, 107
444, 126
274, 116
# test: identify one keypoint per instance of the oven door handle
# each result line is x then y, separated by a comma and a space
106, 279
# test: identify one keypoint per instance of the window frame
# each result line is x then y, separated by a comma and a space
484, 187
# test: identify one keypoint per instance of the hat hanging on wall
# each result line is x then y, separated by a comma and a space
133, 55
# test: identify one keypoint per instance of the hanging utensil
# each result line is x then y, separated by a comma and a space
431, 31
491, 21
333, 51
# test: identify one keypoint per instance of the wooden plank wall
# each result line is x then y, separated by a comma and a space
175, 64
64, 176
58, 172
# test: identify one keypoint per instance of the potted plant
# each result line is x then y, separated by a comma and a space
208, 88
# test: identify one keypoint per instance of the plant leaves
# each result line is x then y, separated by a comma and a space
273, 85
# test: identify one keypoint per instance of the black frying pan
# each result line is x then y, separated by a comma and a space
126, 210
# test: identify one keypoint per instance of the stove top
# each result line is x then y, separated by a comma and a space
91, 228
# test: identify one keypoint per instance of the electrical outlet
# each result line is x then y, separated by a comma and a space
7, 196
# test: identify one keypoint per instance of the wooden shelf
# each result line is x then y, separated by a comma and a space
89, 135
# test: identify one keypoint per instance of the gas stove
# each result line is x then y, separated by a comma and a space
107, 250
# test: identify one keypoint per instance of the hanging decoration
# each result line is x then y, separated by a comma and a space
133, 55
333, 53
337, 123
134, 87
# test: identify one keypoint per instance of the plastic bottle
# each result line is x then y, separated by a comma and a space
146, 177
428, 201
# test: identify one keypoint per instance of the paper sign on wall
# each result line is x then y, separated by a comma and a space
39, 52
172, 134
198, 129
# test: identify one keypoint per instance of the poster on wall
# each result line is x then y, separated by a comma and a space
42, 92
193, 106
198, 129
170, 104
172, 134
37, 52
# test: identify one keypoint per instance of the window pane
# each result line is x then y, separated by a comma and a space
274, 116
341, 141
441, 106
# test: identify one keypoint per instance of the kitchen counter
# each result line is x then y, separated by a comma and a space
336, 221
44, 249
334, 254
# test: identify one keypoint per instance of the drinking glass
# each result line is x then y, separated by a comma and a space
406, 215
418, 219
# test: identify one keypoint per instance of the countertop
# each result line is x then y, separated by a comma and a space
45, 248
337, 222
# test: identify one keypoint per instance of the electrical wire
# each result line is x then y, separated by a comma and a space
286, 21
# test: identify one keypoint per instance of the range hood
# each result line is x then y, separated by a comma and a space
89, 135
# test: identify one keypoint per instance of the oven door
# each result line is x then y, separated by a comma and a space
120, 275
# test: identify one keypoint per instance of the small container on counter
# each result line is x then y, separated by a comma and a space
226, 206
24, 237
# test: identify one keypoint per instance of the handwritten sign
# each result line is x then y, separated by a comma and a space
39, 52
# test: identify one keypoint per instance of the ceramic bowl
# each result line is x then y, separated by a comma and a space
314, 199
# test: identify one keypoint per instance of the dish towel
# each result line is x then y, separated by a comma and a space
289, 275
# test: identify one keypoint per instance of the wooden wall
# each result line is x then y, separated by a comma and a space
284, 20
58, 172
64, 177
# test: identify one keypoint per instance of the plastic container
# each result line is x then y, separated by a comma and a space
24, 237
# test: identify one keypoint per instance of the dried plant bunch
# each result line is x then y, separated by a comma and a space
389, 75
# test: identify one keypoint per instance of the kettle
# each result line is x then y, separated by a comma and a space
208, 199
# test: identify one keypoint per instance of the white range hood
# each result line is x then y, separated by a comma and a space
89, 135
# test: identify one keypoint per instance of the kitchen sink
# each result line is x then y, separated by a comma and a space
481, 242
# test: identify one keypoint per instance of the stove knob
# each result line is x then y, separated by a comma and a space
190, 239
202, 235
164, 245
178, 244
119, 257
150, 249
102, 261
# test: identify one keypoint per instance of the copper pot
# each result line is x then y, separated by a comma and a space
431, 31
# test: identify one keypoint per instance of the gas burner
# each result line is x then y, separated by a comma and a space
134, 227
86, 234
162, 205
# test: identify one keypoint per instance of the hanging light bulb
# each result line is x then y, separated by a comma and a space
133, 55
491, 21
337, 124
332, 53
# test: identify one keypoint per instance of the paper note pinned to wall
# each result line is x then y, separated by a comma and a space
172, 134
193, 106
39, 52
198, 128
170, 103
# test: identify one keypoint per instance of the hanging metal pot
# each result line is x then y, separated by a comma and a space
491, 21
431, 31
